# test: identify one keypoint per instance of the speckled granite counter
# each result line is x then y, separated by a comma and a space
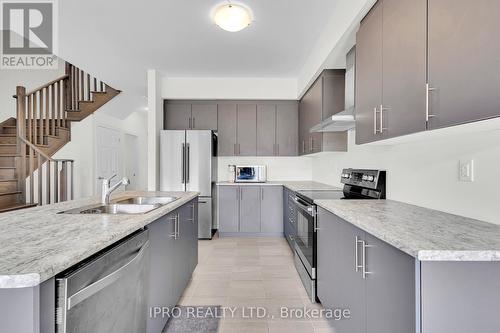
292, 185
426, 234
37, 243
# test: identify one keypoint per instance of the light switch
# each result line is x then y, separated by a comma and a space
466, 170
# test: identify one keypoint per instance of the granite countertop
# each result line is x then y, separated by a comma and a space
426, 234
37, 243
300, 185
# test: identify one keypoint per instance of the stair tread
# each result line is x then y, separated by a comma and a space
8, 180
16, 206
4, 167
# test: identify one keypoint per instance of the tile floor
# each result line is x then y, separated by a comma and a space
241, 273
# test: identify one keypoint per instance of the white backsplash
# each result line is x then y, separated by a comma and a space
278, 168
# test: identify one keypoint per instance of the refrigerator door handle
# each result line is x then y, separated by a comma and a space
187, 163
183, 159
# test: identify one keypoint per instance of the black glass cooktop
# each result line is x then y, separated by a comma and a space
321, 194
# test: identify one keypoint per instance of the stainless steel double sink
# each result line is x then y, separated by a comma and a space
131, 205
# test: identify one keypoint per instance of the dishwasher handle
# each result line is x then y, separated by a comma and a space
102, 283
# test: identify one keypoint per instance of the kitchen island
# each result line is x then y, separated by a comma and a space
403, 268
38, 243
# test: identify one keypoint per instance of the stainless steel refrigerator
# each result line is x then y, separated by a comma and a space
188, 162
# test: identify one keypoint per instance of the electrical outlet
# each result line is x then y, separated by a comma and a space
466, 171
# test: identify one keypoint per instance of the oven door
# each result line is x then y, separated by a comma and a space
305, 240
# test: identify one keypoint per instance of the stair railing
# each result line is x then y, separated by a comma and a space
80, 86
39, 114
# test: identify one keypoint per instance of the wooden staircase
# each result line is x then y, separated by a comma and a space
29, 175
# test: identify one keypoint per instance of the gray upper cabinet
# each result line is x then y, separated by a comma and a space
287, 125
271, 209
403, 60
266, 129
247, 130
184, 115
390, 288
390, 49
323, 99
369, 76
250, 197
204, 116
177, 116
463, 55
228, 200
227, 129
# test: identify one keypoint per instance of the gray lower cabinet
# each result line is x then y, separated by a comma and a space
228, 201
250, 209
379, 291
227, 129
289, 217
173, 259
271, 209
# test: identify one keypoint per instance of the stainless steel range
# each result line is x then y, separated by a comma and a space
358, 184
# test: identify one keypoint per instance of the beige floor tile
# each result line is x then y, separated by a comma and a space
249, 289
243, 327
279, 272
285, 288
190, 289
290, 327
203, 301
246, 273
211, 289
273, 260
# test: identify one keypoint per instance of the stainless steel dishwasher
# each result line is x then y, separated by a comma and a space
106, 293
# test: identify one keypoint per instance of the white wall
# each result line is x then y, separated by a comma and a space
229, 88
30, 79
425, 172
278, 168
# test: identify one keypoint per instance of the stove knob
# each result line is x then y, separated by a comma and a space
371, 178
365, 177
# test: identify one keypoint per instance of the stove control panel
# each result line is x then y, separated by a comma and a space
362, 177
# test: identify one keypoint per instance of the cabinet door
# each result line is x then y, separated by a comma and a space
177, 116
390, 288
247, 130
463, 53
404, 61
311, 115
204, 116
227, 125
333, 93
266, 129
250, 209
271, 209
287, 127
369, 76
161, 276
339, 285
228, 211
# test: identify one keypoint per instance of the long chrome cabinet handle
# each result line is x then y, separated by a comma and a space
357, 266
375, 111
381, 124
102, 283
428, 89
187, 163
183, 157
189, 123
194, 122
178, 226
363, 259
174, 219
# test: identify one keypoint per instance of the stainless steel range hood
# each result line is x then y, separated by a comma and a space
344, 120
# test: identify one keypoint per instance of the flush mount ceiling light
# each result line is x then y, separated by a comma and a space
232, 17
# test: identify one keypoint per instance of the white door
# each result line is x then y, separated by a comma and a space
131, 145
109, 159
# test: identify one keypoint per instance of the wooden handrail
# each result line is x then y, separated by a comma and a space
45, 156
64, 77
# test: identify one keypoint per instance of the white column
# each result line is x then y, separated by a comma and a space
155, 124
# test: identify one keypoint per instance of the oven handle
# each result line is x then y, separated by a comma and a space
308, 209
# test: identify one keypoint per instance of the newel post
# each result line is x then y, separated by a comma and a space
21, 145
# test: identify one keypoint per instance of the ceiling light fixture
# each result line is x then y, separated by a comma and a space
232, 17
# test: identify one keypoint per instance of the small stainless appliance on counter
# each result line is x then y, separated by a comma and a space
188, 162
358, 184
250, 174
106, 292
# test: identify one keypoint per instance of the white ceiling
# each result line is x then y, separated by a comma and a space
119, 40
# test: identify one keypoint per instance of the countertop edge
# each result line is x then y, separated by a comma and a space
32, 279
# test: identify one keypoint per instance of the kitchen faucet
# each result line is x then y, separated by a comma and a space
107, 189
